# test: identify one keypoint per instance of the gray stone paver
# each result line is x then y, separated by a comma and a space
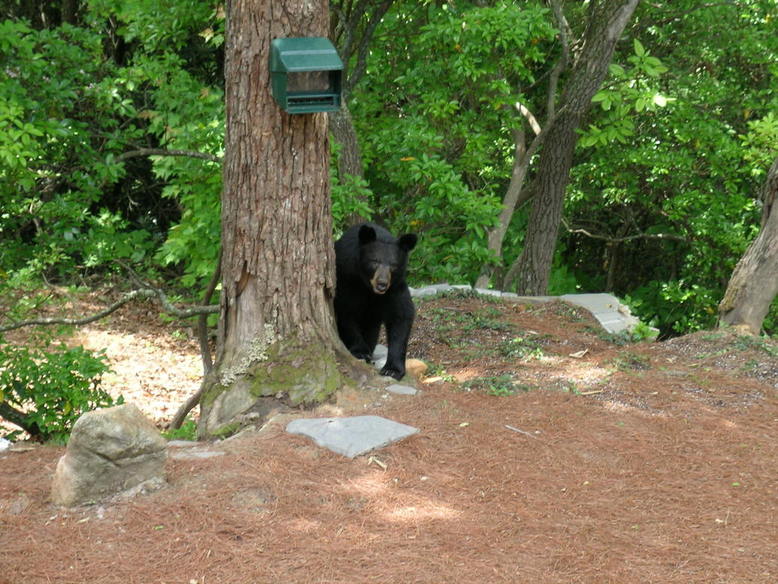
351, 436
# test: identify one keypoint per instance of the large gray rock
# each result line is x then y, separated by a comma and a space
110, 451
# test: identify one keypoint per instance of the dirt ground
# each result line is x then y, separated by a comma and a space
548, 453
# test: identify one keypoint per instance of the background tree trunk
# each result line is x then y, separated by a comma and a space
353, 27
277, 340
533, 266
605, 24
754, 282
349, 155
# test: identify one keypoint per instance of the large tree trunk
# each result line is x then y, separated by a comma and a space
277, 339
754, 282
606, 22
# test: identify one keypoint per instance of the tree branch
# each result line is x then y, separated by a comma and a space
561, 64
18, 418
146, 292
533, 122
611, 239
205, 352
164, 152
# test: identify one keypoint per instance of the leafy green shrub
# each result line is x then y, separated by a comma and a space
187, 431
44, 391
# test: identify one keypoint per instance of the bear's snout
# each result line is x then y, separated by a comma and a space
381, 280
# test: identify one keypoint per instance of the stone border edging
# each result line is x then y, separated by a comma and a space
614, 316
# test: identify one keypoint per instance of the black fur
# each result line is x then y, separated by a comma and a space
370, 266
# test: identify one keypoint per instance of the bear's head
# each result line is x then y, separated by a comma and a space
383, 259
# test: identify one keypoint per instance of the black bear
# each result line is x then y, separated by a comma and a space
371, 290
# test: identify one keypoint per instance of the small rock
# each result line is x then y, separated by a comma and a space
402, 389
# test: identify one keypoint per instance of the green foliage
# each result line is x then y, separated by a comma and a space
521, 348
496, 385
761, 143
187, 431
677, 200
435, 124
670, 160
52, 386
57, 111
628, 91
350, 197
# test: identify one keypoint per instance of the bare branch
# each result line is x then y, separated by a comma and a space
564, 38
611, 239
80, 321
163, 299
165, 152
364, 42
205, 352
533, 122
130, 296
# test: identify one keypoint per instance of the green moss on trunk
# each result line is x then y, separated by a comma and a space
287, 371
301, 375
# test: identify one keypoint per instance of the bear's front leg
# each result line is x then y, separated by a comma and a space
398, 330
355, 342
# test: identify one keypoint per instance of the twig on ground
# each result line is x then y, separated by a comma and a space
531, 435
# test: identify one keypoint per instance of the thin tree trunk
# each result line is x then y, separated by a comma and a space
533, 266
353, 27
349, 154
606, 22
277, 341
515, 195
754, 282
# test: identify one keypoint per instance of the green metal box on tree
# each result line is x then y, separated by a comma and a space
305, 75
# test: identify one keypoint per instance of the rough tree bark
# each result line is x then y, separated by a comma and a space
277, 341
754, 282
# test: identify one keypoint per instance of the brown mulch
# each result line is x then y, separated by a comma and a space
548, 453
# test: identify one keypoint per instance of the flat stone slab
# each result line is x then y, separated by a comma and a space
351, 436
402, 389
194, 454
606, 308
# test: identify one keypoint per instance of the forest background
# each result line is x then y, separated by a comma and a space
112, 134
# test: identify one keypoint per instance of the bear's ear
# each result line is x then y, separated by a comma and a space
407, 241
366, 234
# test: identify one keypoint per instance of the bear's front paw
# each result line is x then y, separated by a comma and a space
363, 355
393, 371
